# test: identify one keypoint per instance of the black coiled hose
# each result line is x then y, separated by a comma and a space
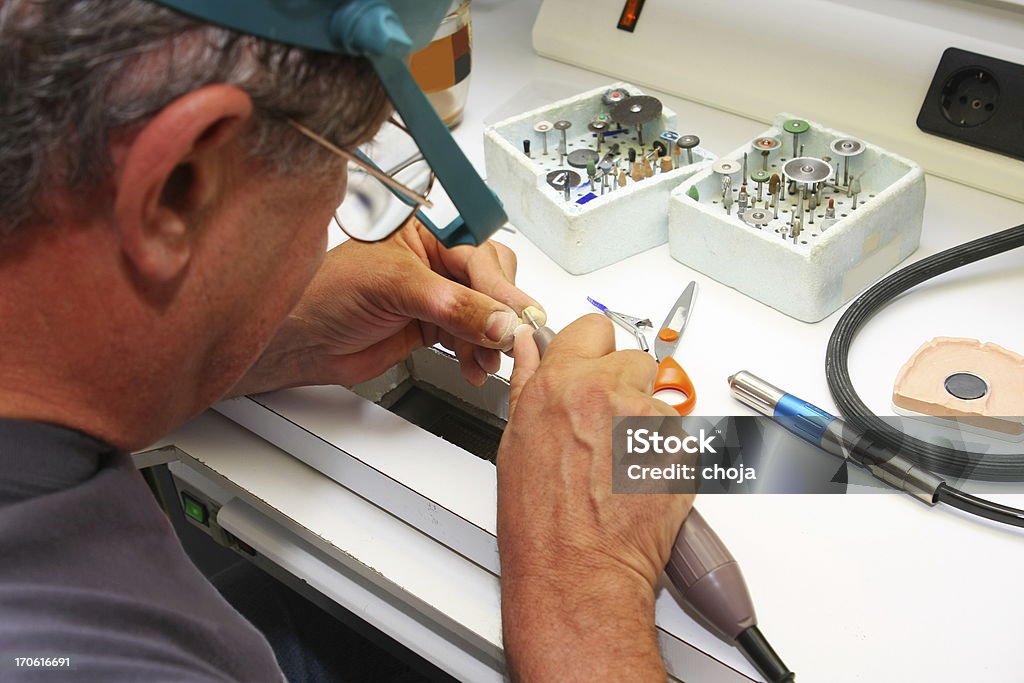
939, 459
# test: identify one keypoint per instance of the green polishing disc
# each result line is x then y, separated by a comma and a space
796, 126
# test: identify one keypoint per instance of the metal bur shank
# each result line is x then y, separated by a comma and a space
709, 579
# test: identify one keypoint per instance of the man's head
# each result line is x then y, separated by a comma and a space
158, 217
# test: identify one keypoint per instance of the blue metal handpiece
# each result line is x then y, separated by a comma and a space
834, 435
807, 421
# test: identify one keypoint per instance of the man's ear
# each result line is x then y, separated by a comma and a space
171, 171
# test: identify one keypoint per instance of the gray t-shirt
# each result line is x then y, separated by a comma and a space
91, 569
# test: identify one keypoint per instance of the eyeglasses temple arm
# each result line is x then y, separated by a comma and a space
364, 162
480, 211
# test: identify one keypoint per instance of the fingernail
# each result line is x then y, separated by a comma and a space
522, 329
538, 315
501, 325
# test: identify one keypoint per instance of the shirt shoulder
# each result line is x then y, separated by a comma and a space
93, 571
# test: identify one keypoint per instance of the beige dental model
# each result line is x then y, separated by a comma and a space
982, 384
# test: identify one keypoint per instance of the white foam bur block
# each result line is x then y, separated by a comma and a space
830, 262
610, 227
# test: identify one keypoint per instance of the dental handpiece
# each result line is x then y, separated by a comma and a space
709, 579
542, 334
834, 435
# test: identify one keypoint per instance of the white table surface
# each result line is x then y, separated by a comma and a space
847, 588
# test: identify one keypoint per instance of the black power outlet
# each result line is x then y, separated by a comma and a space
969, 97
977, 100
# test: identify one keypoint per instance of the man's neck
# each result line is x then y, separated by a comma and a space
75, 360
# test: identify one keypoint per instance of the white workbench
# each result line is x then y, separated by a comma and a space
847, 588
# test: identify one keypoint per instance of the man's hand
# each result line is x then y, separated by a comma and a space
579, 563
370, 305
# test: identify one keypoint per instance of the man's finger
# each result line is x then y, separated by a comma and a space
507, 259
634, 368
527, 357
466, 314
456, 260
488, 359
353, 368
469, 364
663, 408
591, 336
490, 268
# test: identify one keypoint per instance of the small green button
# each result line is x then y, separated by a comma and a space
194, 509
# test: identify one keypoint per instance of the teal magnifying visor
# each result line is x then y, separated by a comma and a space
385, 32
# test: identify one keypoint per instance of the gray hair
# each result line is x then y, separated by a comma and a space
72, 72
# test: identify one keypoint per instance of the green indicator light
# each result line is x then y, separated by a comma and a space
193, 508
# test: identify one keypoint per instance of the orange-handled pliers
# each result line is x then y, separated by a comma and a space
672, 385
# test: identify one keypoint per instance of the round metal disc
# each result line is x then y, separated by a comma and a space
807, 170
637, 110
542, 126
558, 179
687, 141
579, 158
796, 126
847, 147
756, 217
966, 386
760, 176
766, 144
614, 96
597, 126
726, 167
563, 125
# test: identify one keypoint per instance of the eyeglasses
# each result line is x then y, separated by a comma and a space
353, 28
377, 201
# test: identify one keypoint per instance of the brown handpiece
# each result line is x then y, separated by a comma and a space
709, 579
